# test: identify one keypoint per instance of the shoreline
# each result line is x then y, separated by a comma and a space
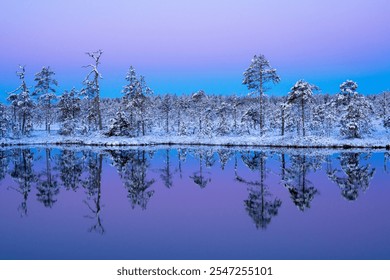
309, 142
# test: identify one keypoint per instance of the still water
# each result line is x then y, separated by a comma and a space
193, 203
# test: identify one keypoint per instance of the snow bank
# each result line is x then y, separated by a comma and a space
97, 139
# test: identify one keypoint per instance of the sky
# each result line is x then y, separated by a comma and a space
184, 46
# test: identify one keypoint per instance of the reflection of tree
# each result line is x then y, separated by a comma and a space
386, 159
295, 180
199, 177
47, 185
224, 156
92, 185
132, 166
3, 164
357, 176
181, 155
259, 205
70, 167
166, 172
209, 158
22, 172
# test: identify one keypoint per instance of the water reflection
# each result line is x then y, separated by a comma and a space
354, 176
22, 172
201, 177
294, 178
132, 167
51, 171
260, 205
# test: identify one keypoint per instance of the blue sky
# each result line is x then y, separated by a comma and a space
184, 46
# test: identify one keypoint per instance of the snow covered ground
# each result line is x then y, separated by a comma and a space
97, 139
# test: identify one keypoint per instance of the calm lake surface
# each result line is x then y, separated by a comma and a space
193, 203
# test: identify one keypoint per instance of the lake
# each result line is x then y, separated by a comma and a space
193, 203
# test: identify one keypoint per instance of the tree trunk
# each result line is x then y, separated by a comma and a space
282, 121
97, 100
303, 117
261, 121
167, 121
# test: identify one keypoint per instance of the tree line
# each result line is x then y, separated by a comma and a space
140, 112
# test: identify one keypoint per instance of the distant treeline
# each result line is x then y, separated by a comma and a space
140, 112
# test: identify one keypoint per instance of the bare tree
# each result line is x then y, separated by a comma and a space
92, 90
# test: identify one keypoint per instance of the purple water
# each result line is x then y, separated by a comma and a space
193, 203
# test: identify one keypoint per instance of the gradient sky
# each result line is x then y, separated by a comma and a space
183, 46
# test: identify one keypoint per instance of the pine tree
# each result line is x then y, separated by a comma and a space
181, 105
45, 91
69, 108
301, 94
199, 102
120, 126
135, 100
256, 77
222, 113
22, 106
386, 115
166, 107
355, 111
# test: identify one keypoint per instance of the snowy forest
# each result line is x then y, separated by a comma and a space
303, 111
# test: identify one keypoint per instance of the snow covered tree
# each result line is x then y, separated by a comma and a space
199, 105
22, 106
256, 77
301, 94
282, 118
166, 107
135, 100
385, 110
181, 105
45, 91
3, 121
129, 93
355, 112
69, 108
223, 127
142, 101
120, 126
235, 104
250, 118
92, 91
347, 92
324, 116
